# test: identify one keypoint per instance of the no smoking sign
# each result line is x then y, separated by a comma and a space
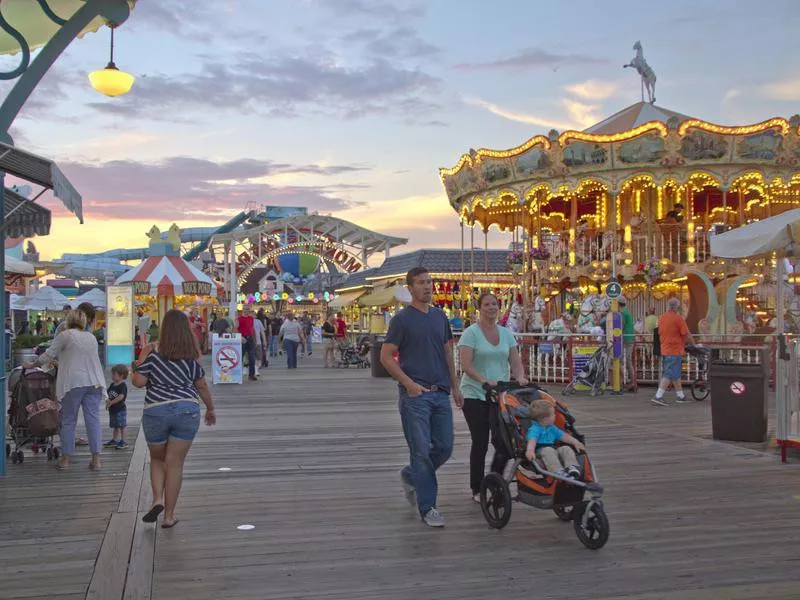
738, 388
227, 357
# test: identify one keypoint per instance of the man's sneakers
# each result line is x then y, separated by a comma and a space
409, 491
110, 443
121, 445
658, 401
683, 400
433, 518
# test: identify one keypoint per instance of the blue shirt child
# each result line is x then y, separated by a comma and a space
544, 436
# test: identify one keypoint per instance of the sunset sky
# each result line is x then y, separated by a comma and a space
349, 107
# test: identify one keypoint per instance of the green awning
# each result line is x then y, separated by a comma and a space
23, 217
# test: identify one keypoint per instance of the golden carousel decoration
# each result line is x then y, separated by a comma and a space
636, 196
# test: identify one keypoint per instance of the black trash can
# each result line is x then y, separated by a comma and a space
378, 369
739, 399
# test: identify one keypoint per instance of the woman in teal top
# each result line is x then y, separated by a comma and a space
487, 350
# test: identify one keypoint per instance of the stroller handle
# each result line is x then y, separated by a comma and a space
504, 386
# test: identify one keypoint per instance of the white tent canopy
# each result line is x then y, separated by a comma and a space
45, 298
775, 234
96, 297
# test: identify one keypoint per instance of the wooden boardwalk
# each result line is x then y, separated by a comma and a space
311, 460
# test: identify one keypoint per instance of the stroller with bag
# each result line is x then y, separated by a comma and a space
357, 355
593, 375
577, 499
33, 413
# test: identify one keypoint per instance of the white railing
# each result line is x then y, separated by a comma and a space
551, 361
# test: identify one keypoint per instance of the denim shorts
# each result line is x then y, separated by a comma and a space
118, 419
176, 420
671, 367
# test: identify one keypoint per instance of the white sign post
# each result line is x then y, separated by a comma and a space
226, 358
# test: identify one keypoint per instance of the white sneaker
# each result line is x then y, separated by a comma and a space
433, 518
476, 498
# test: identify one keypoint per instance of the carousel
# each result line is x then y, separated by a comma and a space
164, 280
635, 198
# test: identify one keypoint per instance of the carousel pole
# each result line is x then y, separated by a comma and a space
486, 251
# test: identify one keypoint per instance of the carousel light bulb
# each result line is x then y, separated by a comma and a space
627, 236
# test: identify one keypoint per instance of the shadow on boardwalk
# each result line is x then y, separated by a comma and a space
314, 457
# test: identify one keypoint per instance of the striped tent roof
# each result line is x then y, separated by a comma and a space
168, 276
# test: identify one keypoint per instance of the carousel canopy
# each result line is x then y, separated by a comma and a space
634, 116
168, 276
775, 234
96, 297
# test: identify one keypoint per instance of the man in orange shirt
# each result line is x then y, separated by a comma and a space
673, 333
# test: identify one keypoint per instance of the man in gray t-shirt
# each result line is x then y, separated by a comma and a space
425, 372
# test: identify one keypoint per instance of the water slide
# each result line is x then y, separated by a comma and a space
207, 233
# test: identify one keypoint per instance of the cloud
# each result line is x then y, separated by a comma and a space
593, 89
398, 43
731, 95
520, 117
194, 188
788, 90
534, 58
585, 115
284, 87
383, 10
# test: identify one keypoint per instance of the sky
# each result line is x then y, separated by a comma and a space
349, 107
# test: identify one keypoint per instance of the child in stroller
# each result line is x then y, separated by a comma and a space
576, 497
357, 355
542, 436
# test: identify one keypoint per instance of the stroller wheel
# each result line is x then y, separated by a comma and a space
592, 528
564, 512
495, 500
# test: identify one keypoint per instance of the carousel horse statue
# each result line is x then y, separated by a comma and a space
645, 72
593, 305
535, 320
514, 321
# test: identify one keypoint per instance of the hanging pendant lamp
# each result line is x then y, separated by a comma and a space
111, 81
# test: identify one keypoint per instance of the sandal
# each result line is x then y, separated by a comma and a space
152, 514
169, 525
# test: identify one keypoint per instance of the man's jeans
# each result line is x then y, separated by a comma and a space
273, 345
428, 428
249, 344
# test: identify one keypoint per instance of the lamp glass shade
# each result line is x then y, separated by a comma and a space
111, 81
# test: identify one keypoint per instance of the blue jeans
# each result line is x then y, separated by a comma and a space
87, 398
308, 343
178, 420
249, 346
273, 345
290, 347
428, 428
671, 367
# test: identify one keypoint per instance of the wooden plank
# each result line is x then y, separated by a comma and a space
129, 499
139, 580
108, 578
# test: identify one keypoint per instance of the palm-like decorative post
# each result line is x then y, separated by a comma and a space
51, 25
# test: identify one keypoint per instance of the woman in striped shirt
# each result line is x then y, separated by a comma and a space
175, 384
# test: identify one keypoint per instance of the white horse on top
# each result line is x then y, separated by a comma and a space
645, 71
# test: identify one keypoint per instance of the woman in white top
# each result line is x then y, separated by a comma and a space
261, 343
81, 383
293, 336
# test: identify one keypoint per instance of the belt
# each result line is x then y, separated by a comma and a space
439, 388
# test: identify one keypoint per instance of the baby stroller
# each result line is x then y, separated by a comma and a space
357, 355
572, 499
33, 413
593, 375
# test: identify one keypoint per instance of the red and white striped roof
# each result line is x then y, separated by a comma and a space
166, 276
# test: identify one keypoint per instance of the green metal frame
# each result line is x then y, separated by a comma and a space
30, 74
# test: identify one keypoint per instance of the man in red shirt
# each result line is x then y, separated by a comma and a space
246, 327
341, 327
673, 334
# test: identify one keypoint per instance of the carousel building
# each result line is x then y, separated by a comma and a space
636, 197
